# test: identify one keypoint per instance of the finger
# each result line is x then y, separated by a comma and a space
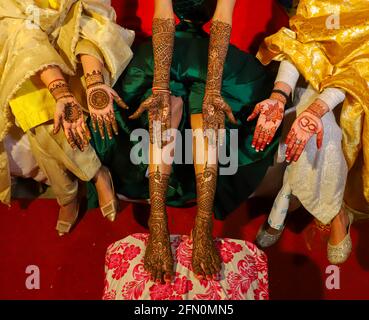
70, 139
299, 151
153, 274
119, 100
168, 277
290, 145
221, 133
197, 270
266, 137
257, 132
77, 139
260, 140
228, 111
290, 136
143, 106
159, 276
292, 152
100, 123
86, 131
82, 135
207, 272
319, 138
57, 122
255, 113
108, 127
114, 123
271, 136
94, 122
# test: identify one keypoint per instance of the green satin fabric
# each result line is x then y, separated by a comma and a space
200, 11
245, 82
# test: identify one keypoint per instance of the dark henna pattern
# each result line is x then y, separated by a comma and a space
59, 89
98, 99
220, 34
72, 112
308, 124
273, 113
205, 257
317, 109
163, 42
94, 78
158, 256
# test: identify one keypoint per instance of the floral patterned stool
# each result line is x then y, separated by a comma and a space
244, 273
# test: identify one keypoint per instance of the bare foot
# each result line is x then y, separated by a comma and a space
205, 258
158, 259
339, 228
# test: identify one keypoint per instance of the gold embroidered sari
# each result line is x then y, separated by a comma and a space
328, 41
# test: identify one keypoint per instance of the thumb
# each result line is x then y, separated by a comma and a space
319, 138
119, 100
254, 114
57, 122
229, 113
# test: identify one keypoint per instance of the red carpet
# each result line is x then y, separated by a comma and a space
72, 267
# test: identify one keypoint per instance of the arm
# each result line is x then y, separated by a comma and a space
158, 105
68, 112
214, 107
100, 97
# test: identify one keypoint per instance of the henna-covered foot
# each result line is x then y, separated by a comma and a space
158, 259
205, 258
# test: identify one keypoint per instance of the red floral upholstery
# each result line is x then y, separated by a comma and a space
244, 272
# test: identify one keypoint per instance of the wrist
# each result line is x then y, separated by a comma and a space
59, 89
279, 95
160, 89
94, 78
212, 92
318, 108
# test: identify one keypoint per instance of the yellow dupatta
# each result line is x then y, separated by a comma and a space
33, 37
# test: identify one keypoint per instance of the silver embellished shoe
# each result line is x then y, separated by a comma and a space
264, 239
339, 253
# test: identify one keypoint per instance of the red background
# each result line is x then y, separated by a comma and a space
252, 21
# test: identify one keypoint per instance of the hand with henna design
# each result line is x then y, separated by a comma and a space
270, 113
69, 115
100, 99
159, 108
214, 110
306, 125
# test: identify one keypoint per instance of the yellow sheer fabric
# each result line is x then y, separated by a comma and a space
33, 37
328, 41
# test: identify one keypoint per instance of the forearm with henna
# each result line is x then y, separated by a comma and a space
158, 105
214, 107
220, 34
163, 43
